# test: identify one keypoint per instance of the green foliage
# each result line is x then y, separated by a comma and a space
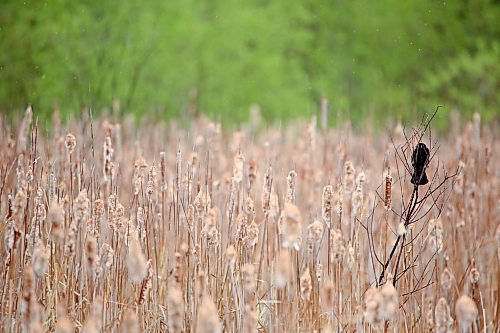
173, 58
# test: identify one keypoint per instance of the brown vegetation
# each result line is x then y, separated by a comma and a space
108, 227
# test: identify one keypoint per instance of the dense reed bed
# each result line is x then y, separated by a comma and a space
116, 228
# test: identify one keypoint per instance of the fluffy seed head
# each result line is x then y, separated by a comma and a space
291, 222
466, 311
305, 285
70, 143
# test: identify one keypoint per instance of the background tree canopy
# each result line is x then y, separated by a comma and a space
369, 58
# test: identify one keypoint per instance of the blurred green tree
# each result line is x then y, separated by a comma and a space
177, 58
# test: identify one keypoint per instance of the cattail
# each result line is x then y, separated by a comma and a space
231, 256
290, 187
351, 256
99, 207
338, 199
82, 208
388, 190
327, 203
108, 156
210, 227
429, 316
252, 172
435, 235
319, 272
130, 323
64, 325
151, 180
24, 130
305, 285
390, 300
337, 246
52, 184
107, 255
283, 269
357, 200
249, 208
329, 296
252, 235
474, 275
349, 176
238, 168
373, 298
147, 283
56, 220
314, 234
202, 202
30, 309
91, 253
175, 303
466, 311
444, 321
291, 223
446, 279
40, 259
136, 261
93, 324
267, 191
251, 320
360, 179
190, 215
177, 268
70, 143
20, 173
140, 166
208, 317
163, 172
248, 277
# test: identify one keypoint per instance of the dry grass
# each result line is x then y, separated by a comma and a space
110, 228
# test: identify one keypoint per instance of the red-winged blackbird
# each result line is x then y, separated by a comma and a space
419, 161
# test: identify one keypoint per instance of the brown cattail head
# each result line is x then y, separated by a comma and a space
390, 300
337, 246
130, 322
291, 224
248, 278
305, 285
290, 187
56, 220
107, 157
329, 295
231, 256
252, 172
24, 130
70, 143
466, 311
446, 279
442, 315
327, 203
388, 190
238, 168
136, 261
208, 317
314, 234
283, 269
175, 303
40, 259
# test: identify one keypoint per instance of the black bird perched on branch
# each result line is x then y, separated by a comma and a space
419, 161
